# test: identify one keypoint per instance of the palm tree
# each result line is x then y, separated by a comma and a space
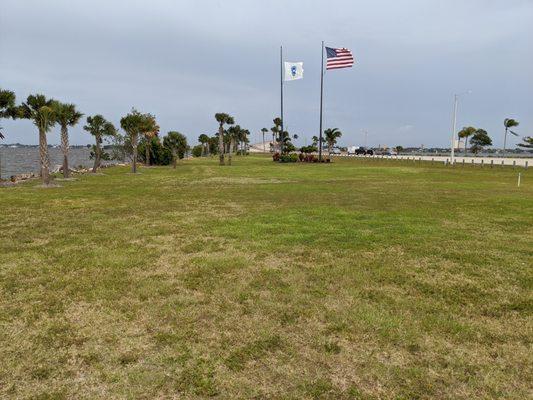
42, 112
331, 136
509, 123
177, 143
275, 131
134, 124
222, 119
204, 140
243, 139
263, 131
7, 109
527, 142
149, 129
7, 106
465, 133
277, 124
67, 115
233, 134
315, 140
99, 127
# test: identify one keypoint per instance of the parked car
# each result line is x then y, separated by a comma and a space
335, 150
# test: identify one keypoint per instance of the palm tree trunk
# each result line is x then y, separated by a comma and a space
504, 141
221, 145
174, 158
64, 148
43, 153
264, 147
97, 155
134, 145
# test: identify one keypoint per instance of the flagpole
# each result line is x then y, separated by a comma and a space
321, 98
281, 83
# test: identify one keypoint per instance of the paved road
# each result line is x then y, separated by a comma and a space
496, 161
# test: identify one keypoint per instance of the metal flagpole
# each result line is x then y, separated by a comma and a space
321, 97
281, 82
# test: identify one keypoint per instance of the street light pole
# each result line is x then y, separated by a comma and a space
454, 127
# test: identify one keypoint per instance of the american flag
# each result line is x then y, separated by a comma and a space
338, 58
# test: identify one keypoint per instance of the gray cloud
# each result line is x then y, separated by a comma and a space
185, 60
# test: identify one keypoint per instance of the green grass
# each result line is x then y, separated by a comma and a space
362, 279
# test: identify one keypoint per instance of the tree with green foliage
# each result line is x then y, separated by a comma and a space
331, 135
264, 131
275, 131
277, 125
465, 133
42, 112
133, 124
398, 149
150, 129
177, 143
204, 141
67, 116
233, 134
479, 140
100, 128
527, 142
222, 119
7, 106
509, 123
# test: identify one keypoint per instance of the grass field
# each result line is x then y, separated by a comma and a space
360, 279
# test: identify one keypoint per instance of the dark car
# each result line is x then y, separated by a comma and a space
369, 152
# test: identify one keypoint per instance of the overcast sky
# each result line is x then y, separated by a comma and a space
186, 60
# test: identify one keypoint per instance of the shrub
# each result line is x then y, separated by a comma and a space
301, 156
275, 156
197, 150
289, 158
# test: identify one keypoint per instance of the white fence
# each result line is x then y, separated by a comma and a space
459, 160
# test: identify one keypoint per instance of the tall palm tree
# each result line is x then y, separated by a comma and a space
7, 109
277, 124
67, 115
7, 106
99, 127
222, 119
331, 135
132, 124
233, 134
465, 133
177, 143
149, 129
509, 123
42, 112
263, 131
204, 141
275, 132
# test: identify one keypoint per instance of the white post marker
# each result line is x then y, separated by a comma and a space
519, 175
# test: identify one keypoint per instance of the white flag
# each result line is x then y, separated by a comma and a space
294, 70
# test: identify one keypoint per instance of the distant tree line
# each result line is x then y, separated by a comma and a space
141, 133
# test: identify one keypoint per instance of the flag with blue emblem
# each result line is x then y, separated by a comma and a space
294, 70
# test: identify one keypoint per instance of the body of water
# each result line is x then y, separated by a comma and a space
21, 160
